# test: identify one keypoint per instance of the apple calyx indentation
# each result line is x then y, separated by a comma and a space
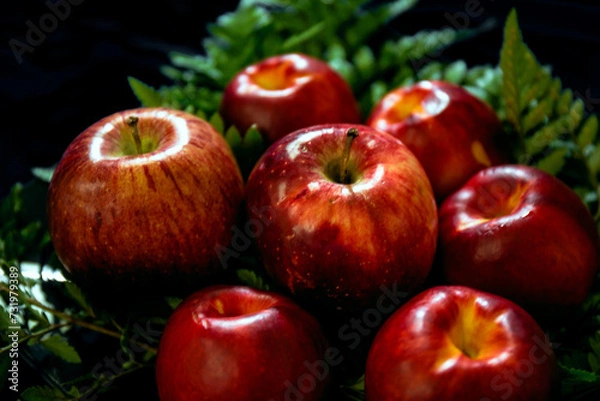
235, 307
500, 198
472, 331
277, 77
137, 136
341, 170
409, 104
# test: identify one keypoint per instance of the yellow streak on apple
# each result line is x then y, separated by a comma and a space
479, 154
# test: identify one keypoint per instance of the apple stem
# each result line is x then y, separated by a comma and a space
132, 121
350, 136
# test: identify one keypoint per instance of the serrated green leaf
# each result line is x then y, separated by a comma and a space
417, 50
250, 149
396, 8
233, 137
30, 234
564, 102
356, 390
5, 321
43, 173
251, 279
198, 64
173, 302
12, 204
594, 362
172, 72
536, 86
554, 161
587, 133
455, 72
580, 374
59, 346
253, 136
511, 62
432, 71
147, 95
374, 19
79, 297
378, 89
563, 125
538, 114
217, 122
46, 393
364, 60
302, 37
576, 112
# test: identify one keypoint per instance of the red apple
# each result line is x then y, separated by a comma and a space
521, 233
339, 239
451, 131
287, 92
237, 343
122, 215
458, 344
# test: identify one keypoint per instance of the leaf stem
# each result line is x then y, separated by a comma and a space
37, 334
107, 379
70, 320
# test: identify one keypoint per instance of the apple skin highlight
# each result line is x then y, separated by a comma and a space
455, 343
338, 243
521, 233
119, 218
287, 92
237, 343
453, 133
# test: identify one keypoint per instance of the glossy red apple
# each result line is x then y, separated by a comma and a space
521, 233
124, 210
236, 343
458, 344
287, 92
346, 216
451, 131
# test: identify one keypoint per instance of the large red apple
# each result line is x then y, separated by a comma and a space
287, 92
143, 195
346, 216
236, 343
451, 131
458, 344
521, 233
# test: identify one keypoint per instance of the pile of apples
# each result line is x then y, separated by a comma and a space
340, 212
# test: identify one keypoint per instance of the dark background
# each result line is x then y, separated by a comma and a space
78, 74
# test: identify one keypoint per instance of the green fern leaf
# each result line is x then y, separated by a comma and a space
588, 131
511, 61
147, 95
554, 161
